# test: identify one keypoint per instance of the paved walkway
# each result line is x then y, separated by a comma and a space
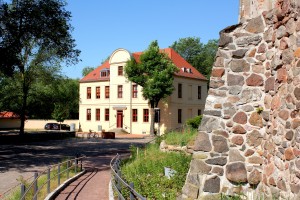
17, 160
93, 184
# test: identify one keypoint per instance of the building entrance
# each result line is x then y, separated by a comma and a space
120, 119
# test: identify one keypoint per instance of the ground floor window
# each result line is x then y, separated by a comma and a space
134, 115
106, 114
146, 115
88, 114
199, 112
179, 116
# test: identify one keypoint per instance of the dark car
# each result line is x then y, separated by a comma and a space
57, 126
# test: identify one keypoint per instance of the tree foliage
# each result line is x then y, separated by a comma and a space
189, 48
34, 35
66, 102
154, 73
196, 53
46, 95
86, 70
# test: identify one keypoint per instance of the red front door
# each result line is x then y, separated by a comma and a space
120, 119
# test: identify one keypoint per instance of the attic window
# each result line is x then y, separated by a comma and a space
104, 72
186, 70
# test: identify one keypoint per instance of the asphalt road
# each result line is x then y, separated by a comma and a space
25, 159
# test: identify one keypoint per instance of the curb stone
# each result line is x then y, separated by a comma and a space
53, 194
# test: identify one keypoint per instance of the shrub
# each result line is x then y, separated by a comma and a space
194, 122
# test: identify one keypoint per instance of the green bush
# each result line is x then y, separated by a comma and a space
194, 122
146, 170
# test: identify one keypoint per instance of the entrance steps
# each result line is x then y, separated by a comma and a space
118, 131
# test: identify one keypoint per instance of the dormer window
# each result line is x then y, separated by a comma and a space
186, 70
104, 73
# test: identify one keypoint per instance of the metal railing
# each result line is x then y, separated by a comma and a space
53, 171
118, 183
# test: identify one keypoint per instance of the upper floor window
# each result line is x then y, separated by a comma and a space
88, 92
134, 115
104, 72
97, 92
146, 115
97, 114
134, 90
199, 92
190, 92
106, 114
120, 70
179, 90
120, 91
106, 92
179, 116
88, 114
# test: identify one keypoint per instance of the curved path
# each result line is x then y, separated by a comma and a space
24, 159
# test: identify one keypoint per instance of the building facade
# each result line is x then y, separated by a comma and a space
108, 100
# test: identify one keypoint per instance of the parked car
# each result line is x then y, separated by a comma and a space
57, 126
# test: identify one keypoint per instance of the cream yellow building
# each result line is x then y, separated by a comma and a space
109, 101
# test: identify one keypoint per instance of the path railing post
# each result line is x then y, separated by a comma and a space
48, 180
58, 174
76, 162
131, 194
23, 188
119, 185
35, 186
68, 169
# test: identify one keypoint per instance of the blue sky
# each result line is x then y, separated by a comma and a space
102, 26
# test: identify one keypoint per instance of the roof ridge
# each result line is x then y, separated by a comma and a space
175, 57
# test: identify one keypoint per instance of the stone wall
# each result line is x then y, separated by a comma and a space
249, 138
252, 8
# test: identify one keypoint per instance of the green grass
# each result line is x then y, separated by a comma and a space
146, 170
187, 137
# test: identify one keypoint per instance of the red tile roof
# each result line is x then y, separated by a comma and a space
173, 55
94, 75
8, 115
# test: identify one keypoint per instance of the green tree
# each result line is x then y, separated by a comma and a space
40, 96
66, 99
34, 34
189, 48
196, 53
86, 70
154, 73
206, 57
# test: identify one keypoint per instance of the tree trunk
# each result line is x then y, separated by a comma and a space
152, 118
22, 118
24, 106
152, 122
